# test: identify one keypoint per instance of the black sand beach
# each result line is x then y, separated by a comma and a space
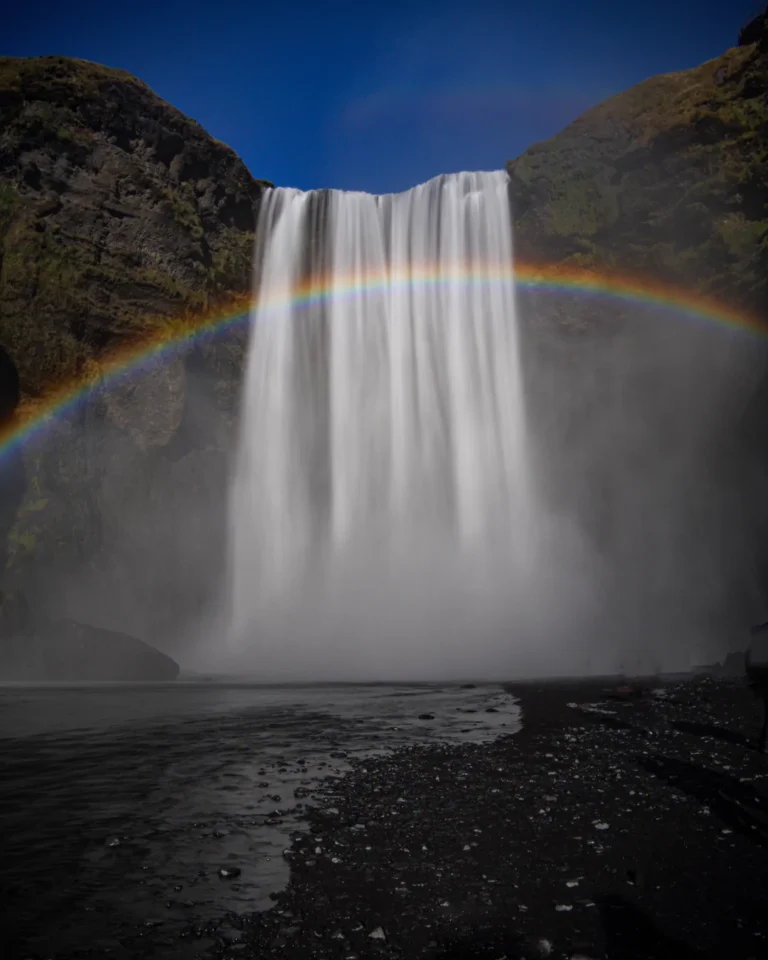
607, 827
640, 832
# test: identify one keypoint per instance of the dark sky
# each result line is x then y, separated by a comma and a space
378, 96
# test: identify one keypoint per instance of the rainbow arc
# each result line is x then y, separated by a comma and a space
136, 358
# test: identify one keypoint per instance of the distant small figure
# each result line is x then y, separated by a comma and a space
756, 663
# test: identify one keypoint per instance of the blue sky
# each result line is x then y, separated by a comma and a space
374, 95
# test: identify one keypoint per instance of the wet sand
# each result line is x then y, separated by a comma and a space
605, 827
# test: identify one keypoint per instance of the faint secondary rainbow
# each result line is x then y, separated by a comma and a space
133, 359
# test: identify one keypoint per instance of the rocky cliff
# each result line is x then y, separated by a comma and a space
119, 218
117, 214
649, 426
668, 179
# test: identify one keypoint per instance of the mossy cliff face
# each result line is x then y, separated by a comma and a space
635, 415
119, 219
668, 179
117, 215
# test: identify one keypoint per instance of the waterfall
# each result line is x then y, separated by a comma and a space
382, 509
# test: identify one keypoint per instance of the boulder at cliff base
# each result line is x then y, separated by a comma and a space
65, 650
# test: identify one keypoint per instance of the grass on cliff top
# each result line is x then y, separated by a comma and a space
67, 80
639, 115
667, 178
61, 73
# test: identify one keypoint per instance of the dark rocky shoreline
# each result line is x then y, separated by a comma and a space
637, 832
610, 826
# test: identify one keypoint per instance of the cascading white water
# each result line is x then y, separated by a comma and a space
382, 513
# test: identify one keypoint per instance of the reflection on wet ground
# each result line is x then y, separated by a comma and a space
166, 805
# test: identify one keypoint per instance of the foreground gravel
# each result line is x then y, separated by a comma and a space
611, 828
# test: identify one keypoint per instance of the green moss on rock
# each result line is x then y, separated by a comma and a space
118, 215
669, 178
120, 219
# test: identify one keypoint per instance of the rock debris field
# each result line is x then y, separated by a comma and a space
619, 828
611, 826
